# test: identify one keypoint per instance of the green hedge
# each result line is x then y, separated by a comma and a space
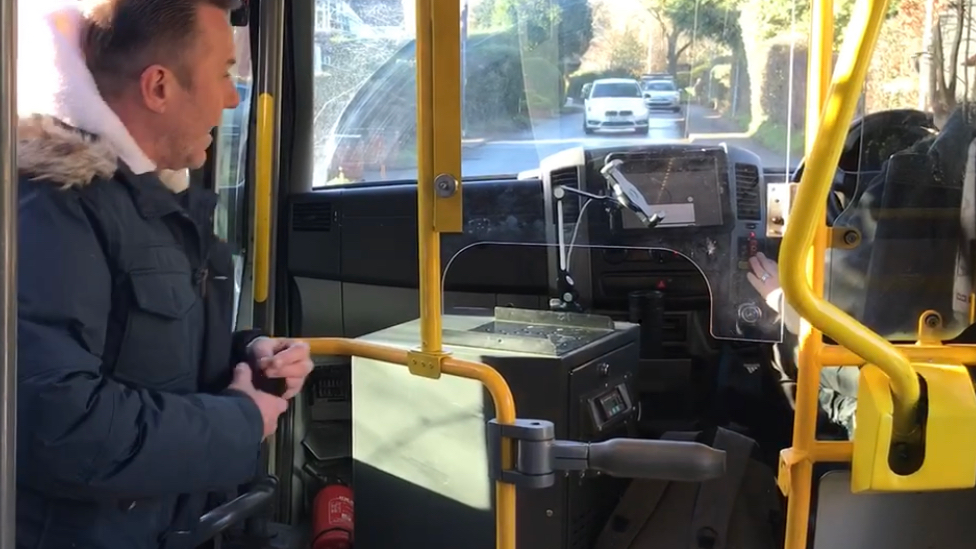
495, 91
379, 111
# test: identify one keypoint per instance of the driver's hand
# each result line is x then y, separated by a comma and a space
764, 275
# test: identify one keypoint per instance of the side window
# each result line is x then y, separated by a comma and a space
230, 161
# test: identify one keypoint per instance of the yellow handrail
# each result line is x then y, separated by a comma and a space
439, 209
806, 228
796, 474
810, 208
263, 179
501, 396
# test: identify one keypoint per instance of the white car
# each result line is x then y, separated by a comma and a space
662, 94
615, 104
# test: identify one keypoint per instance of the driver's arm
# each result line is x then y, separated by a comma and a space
776, 302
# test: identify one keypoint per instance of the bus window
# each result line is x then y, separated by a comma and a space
230, 160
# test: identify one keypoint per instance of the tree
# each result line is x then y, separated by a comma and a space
684, 21
575, 32
627, 52
945, 57
539, 21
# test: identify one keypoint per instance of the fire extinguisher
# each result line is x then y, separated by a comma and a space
332, 516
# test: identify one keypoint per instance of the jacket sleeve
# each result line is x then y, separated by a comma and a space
238, 346
82, 435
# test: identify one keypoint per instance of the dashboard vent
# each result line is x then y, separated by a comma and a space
311, 217
748, 201
567, 177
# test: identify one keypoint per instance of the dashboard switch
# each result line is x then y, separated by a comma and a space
750, 313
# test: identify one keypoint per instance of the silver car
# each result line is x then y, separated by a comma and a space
662, 94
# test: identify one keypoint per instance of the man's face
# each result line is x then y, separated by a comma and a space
193, 110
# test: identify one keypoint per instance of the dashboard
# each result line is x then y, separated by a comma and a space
703, 216
709, 217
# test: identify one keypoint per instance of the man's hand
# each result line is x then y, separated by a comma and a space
282, 358
270, 406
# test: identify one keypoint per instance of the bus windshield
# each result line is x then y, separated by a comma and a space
739, 67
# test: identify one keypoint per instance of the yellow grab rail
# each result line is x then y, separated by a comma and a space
501, 396
807, 227
439, 210
438, 161
263, 191
810, 208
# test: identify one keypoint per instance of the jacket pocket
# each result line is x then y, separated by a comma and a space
161, 342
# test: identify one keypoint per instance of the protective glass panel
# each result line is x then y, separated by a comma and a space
597, 228
904, 225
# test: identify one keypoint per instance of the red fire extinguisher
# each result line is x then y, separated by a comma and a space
332, 517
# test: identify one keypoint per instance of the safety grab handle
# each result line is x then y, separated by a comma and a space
654, 459
808, 214
539, 456
235, 511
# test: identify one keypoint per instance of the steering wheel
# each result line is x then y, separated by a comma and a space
870, 141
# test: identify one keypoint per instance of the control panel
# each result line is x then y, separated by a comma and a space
616, 220
704, 204
610, 406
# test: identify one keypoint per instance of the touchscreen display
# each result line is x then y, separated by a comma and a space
686, 188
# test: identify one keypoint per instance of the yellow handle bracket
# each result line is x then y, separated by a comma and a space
426, 364
809, 211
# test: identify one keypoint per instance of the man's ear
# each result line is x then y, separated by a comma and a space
156, 87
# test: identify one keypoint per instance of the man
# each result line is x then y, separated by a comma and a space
130, 409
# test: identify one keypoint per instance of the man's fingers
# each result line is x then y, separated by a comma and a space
281, 404
283, 344
293, 353
293, 362
295, 385
242, 375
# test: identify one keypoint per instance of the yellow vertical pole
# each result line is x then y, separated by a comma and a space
429, 242
819, 70
439, 206
805, 293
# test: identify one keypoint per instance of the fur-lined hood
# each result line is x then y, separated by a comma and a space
49, 150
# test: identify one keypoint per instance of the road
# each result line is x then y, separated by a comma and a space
522, 151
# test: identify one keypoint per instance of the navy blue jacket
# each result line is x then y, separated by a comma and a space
125, 352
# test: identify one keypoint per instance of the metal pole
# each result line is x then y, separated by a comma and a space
925, 81
8, 272
464, 66
271, 39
